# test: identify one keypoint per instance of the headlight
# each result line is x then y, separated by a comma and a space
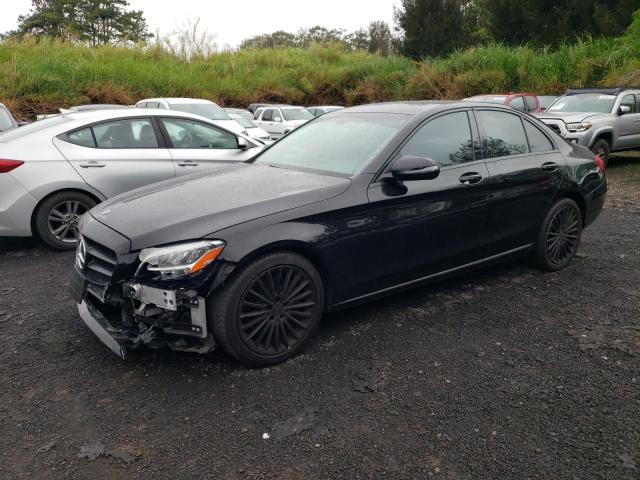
178, 261
579, 127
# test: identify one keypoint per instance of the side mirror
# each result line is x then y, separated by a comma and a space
415, 168
277, 119
242, 143
624, 109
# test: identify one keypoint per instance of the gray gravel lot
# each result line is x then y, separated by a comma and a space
500, 374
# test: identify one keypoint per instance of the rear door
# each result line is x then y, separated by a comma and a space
196, 146
266, 120
118, 155
525, 168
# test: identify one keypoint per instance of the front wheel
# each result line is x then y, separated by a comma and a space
268, 310
56, 220
601, 147
559, 237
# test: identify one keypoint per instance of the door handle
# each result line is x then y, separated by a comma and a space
93, 164
549, 167
470, 178
188, 164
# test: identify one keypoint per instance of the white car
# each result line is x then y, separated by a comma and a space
244, 118
54, 170
280, 120
197, 106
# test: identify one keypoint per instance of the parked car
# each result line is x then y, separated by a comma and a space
350, 207
255, 106
317, 111
54, 170
250, 128
239, 111
197, 106
525, 102
603, 119
82, 108
279, 121
7, 122
547, 100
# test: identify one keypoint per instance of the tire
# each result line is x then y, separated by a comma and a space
559, 237
55, 211
250, 317
602, 148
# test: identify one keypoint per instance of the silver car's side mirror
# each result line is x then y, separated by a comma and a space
624, 109
242, 143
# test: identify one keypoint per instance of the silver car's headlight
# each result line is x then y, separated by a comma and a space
579, 127
177, 261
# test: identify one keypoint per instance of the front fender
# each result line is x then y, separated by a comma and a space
602, 131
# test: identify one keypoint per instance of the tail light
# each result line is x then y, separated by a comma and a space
599, 162
8, 165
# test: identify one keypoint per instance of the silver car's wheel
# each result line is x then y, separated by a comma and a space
57, 218
63, 220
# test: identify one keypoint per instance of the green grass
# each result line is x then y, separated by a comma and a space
41, 76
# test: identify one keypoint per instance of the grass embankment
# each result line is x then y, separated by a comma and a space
38, 77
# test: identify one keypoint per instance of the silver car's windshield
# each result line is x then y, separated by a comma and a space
499, 99
342, 144
207, 110
296, 114
33, 128
584, 102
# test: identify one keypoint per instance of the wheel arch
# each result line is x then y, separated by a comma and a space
579, 199
34, 213
303, 249
605, 134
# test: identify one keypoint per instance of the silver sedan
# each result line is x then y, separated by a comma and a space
54, 170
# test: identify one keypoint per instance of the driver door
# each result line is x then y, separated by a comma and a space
199, 147
629, 123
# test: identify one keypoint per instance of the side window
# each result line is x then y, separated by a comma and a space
267, 116
131, 133
192, 134
277, 115
153, 105
531, 103
629, 101
446, 139
504, 134
538, 141
83, 137
518, 104
256, 115
6, 121
142, 105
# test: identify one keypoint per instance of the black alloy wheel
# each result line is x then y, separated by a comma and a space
276, 310
559, 237
268, 309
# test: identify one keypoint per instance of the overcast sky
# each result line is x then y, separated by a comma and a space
234, 21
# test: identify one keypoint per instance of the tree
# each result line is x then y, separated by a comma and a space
380, 38
93, 21
550, 22
431, 27
279, 39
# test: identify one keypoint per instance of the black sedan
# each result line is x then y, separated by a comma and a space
354, 205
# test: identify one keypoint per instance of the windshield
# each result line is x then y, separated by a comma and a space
6, 122
296, 114
33, 128
499, 99
207, 110
342, 143
584, 102
243, 121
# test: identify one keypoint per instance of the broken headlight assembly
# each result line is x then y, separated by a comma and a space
181, 260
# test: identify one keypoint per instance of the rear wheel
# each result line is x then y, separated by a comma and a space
559, 237
57, 218
268, 310
601, 147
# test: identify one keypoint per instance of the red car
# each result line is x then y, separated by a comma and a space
525, 102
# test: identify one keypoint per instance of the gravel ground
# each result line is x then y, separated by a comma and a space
507, 373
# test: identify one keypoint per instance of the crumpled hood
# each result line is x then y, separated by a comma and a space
192, 207
568, 117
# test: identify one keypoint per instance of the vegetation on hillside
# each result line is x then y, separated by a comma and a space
38, 76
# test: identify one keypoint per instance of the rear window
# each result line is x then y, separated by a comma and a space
34, 127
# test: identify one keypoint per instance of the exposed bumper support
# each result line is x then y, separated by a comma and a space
99, 325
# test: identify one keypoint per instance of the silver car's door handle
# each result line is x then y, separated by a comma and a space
188, 164
93, 164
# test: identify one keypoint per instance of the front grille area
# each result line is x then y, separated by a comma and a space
99, 263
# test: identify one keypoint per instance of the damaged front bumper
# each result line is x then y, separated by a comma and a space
128, 315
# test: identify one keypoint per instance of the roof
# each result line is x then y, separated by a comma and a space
407, 108
177, 100
604, 91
